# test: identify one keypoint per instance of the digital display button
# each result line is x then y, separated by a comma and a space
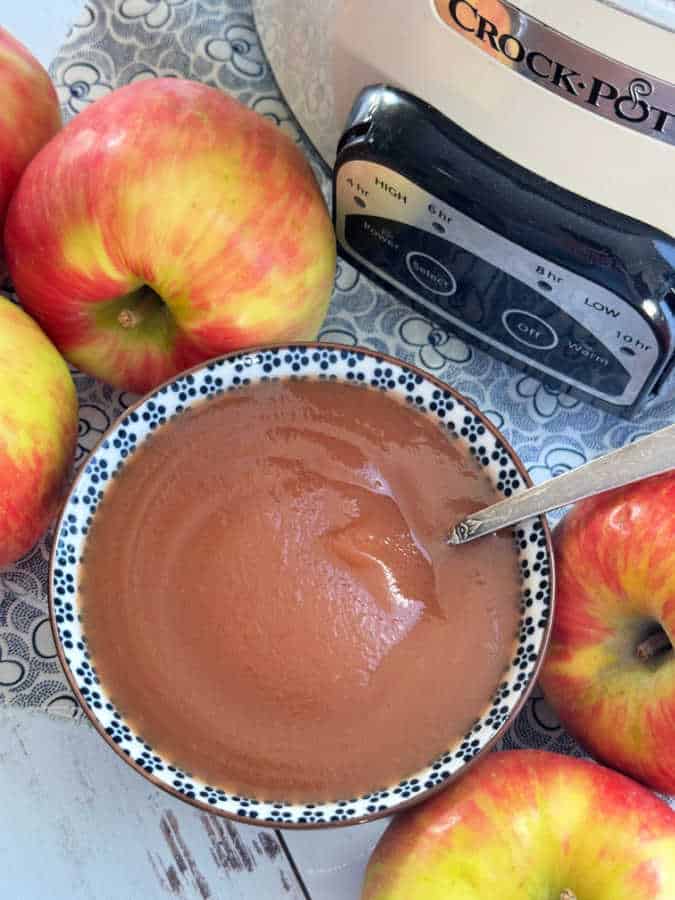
529, 329
428, 272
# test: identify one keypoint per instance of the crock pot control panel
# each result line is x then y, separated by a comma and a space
556, 285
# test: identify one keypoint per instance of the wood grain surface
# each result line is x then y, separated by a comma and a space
78, 824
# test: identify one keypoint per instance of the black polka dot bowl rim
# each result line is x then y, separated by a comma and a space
462, 420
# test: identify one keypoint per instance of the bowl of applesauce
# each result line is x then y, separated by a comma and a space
253, 598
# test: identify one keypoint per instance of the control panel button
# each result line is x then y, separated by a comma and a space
529, 329
428, 272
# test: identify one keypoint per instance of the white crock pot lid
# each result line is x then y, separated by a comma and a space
659, 12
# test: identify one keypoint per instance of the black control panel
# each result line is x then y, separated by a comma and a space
542, 278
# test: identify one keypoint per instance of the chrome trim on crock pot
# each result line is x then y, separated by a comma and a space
573, 71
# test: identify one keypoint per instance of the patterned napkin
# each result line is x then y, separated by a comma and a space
115, 42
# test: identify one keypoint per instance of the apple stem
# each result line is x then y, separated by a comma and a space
128, 318
653, 645
568, 895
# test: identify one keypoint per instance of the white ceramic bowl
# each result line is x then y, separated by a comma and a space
323, 361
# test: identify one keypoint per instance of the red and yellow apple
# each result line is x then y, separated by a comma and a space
610, 669
167, 224
38, 429
29, 116
530, 824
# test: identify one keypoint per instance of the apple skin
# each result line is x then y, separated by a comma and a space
29, 116
529, 824
615, 573
169, 189
38, 430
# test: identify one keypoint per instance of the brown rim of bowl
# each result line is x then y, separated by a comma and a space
308, 826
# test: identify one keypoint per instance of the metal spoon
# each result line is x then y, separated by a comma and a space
647, 456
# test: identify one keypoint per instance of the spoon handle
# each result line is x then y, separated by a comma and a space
648, 456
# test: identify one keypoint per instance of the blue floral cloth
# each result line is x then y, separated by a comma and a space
116, 42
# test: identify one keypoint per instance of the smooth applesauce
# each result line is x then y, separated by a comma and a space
269, 600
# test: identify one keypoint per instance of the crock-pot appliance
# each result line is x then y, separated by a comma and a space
510, 170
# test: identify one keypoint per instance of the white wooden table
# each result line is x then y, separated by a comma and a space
77, 824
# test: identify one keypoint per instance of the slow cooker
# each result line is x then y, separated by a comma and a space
508, 169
